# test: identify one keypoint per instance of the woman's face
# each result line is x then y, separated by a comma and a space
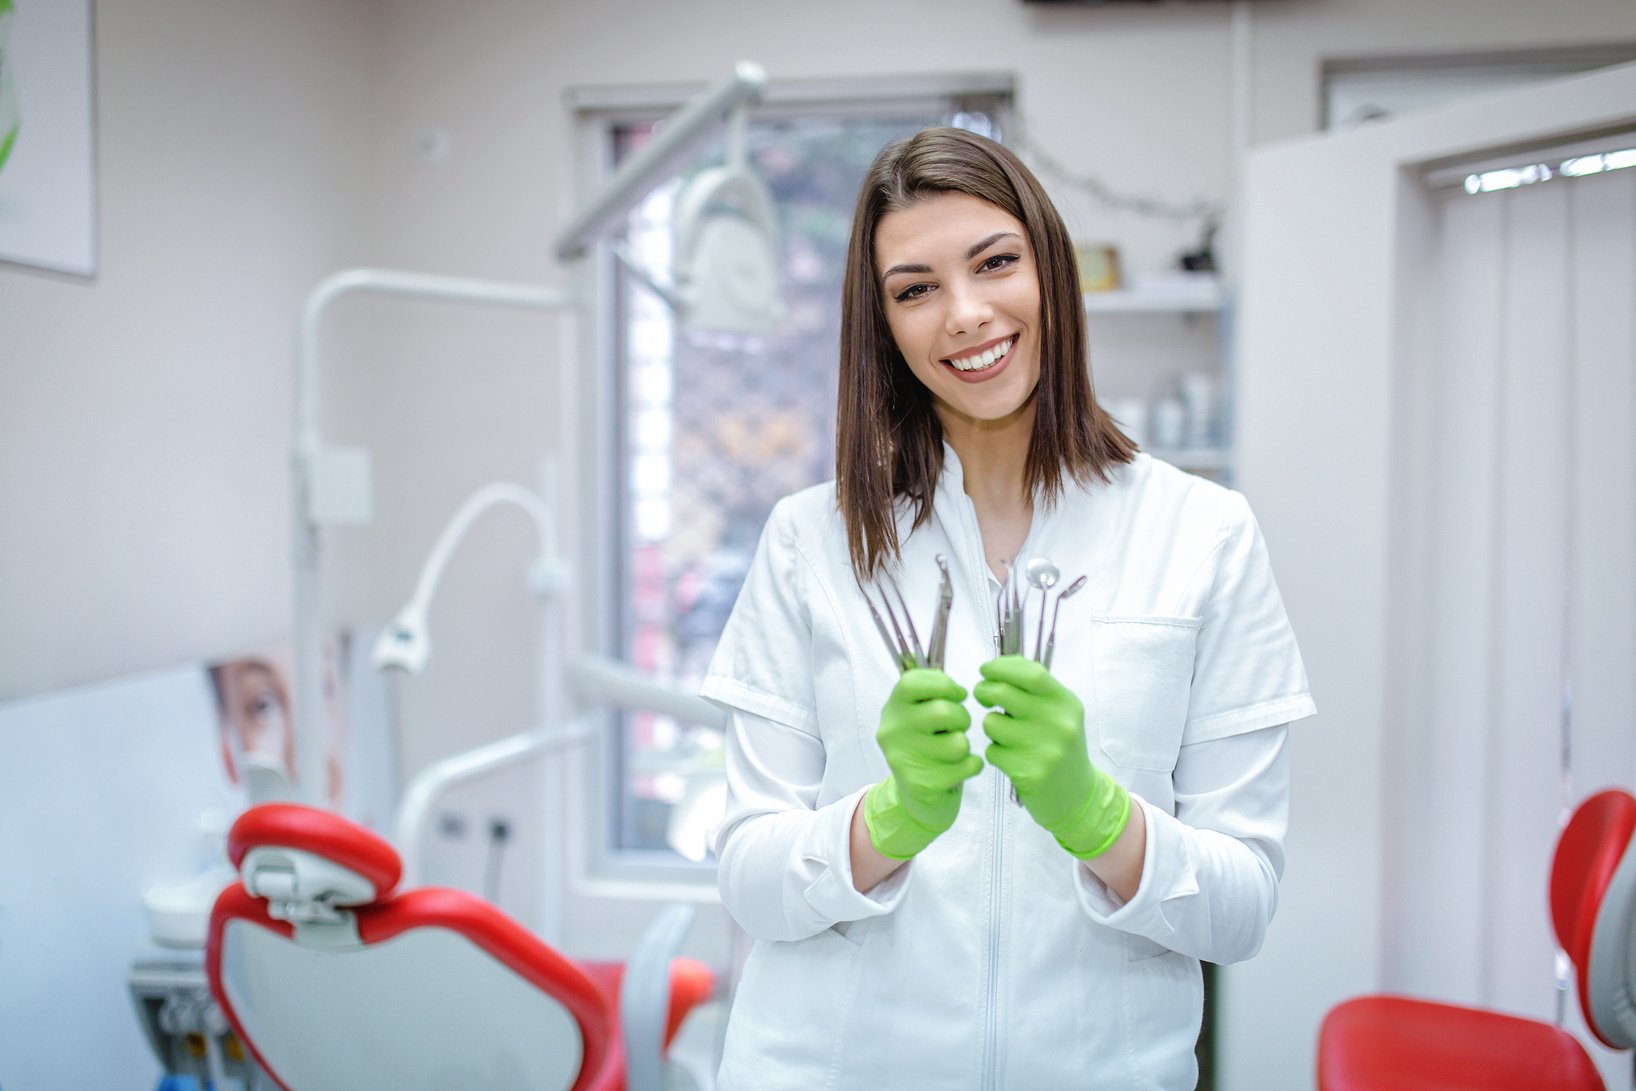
962, 299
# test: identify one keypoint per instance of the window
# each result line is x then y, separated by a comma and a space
708, 431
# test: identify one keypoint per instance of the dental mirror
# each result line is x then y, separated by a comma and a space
1042, 576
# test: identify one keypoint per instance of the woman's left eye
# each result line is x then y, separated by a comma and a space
998, 261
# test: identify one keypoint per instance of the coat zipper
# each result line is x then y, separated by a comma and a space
991, 1030
1002, 806
1001, 797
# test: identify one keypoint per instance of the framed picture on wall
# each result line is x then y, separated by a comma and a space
47, 160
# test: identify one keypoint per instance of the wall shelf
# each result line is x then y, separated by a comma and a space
1144, 369
1193, 458
1177, 293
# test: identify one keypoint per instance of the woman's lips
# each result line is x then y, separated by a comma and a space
982, 375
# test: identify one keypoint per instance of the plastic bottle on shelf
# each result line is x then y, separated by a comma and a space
1169, 421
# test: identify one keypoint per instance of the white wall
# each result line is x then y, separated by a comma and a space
144, 413
1331, 326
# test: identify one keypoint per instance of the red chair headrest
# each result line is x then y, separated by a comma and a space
291, 825
1587, 855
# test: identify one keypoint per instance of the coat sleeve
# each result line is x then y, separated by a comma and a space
1210, 874
784, 865
1212, 864
783, 861
1247, 669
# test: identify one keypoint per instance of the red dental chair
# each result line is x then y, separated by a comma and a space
1375, 1043
337, 982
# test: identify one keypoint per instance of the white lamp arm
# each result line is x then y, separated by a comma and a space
430, 783
455, 531
405, 643
597, 683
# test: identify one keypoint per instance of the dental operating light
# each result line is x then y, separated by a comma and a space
659, 158
726, 245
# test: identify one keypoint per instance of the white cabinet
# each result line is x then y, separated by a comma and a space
1159, 361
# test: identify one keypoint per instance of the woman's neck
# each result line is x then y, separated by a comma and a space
993, 464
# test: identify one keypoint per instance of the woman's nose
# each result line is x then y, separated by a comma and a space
968, 310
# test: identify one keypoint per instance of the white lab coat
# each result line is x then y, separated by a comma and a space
993, 959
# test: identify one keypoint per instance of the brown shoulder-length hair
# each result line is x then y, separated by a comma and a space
889, 442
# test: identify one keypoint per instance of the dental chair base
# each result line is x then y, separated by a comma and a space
184, 1025
335, 982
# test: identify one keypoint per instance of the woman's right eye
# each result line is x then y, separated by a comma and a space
912, 292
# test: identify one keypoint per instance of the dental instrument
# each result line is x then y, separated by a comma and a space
909, 623
940, 623
906, 651
1051, 641
901, 656
1042, 576
1009, 611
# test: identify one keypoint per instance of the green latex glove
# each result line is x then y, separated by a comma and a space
923, 735
1038, 741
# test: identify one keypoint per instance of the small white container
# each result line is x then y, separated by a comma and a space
1198, 395
1131, 416
1169, 423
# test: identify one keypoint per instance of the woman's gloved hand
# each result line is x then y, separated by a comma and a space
923, 735
1037, 738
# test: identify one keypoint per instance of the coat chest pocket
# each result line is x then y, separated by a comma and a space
1140, 675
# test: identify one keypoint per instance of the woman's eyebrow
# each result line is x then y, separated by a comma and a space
906, 269
990, 241
973, 251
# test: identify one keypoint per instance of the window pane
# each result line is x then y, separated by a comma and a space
715, 429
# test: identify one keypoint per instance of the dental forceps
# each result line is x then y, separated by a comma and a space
906, 651
1008, 615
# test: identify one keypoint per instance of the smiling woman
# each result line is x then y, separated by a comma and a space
915, 926
1009, 268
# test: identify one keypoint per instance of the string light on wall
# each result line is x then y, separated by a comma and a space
1207, 212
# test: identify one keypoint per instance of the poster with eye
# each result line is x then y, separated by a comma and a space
253, 696
47, 159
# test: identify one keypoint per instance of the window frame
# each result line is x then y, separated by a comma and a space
596, 866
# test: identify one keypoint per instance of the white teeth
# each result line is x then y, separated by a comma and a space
984, 359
